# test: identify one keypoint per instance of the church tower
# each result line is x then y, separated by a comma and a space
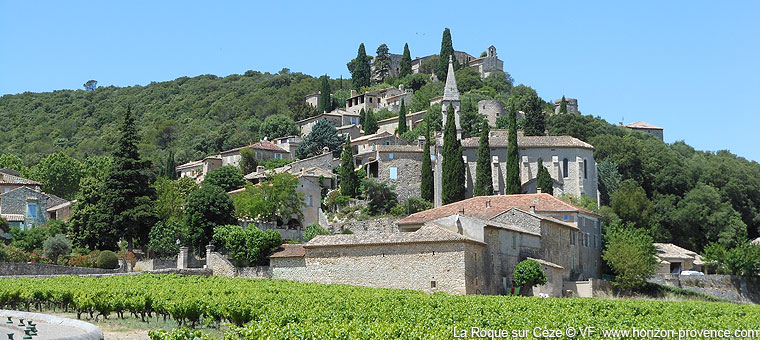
451, 97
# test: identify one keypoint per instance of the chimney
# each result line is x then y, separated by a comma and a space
571, 199
260, 169
488, 203
353, 93
538, 190
461, 211
533, 208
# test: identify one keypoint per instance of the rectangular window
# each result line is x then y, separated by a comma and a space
595, 241
31, 210
390, 156
586, 239
432, 284
308, 201
564, 168
278, 156
514, 241
565, 217
572, 237
394, 173
585, 173
580, 239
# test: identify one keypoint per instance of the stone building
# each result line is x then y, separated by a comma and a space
367, 144
289, 144
647, 128
391, 124
569, 160
389, 98
469, 247
263, 150
313, 99
674, 259
492, 110
351, 130
11, 179
337, 118
398, 165
572, 106
485, 65
27, 206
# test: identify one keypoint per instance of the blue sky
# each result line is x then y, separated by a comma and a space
692, 67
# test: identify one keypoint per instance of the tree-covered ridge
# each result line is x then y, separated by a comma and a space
193, 117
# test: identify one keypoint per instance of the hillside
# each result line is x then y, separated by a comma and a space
193, 117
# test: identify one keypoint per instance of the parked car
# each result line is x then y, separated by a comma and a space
692, 273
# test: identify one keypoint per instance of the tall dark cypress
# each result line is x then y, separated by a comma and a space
426, 183
452, 167
127, 193
402, 119
447, 49
512, 185
535, 120
370, 123
347, 179
544, 179
361, 74
170, 171
325, 105
406, 63
362, 117
483, 179
563, 105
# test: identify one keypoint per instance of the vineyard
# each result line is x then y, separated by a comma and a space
273, 309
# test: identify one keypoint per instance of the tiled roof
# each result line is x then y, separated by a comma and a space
10, 172
290, 250
316, 117
546, 263
643, 125
499, 138
497, 204
262, 145
371, 137
672, 251
398, 148
451, 219
13, 217
6, 178
59, 206
427, 233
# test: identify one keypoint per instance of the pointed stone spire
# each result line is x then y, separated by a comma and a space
450, 91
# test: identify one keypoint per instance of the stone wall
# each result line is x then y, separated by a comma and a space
383, 225
16, 268
408, 167
155, 264
492, 109
428, 267
17, 202
324, 161
729, 287
221, 266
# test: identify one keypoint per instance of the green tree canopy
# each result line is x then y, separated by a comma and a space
227, 177
248, 162
544, 180
380, 195
275, 200
370, 123
483, 178
563, 105
359, 67
206, 208
59, 175
382, 63
322, 135
630, 252
529, 273
171, 196
279, 125
631, 204
405, 67
325, 104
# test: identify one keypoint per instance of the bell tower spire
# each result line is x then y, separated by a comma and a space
451, 97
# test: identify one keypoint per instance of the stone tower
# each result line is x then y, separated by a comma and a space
451, 97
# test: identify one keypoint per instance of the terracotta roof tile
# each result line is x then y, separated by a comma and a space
643, 125
6, 178
290, 250
498, 204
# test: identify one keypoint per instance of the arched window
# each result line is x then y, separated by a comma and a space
564, 167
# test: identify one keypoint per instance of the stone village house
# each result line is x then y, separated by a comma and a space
24, 205
467, 247
263, 150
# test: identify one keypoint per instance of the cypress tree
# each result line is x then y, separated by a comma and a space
406, 63
426, 183
402, 119
169, 167
361, 73
370, 123
513, 163
447, 49
563, 105
544, 179
452, 167
325, 105
483, 180
535, 122
127, 194
362, 117
349, 182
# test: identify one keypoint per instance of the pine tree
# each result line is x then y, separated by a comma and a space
361, 73
426, 182
483, 179
563, 106
402, 119
447, 49
127, 193
406, 63
512, 185
347, 179
544, 179
370, 123
452, 167
325, 105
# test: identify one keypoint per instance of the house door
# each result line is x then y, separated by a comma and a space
675, 267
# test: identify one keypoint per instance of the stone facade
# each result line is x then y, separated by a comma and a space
389, 98
647, 128
492, 110
198, 169
572, 106
736, 289
27, 269
485, 65
375, 225
24, 207
390, 125
366, 146
313, 99
399, 167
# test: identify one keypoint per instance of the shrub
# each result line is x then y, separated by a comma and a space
312, 230
250, 246
108, 260
82, 260
529, 273
380, 195
410, 206
347, 231
15, 254
163, 239
631, 254
56, 246
127, 256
